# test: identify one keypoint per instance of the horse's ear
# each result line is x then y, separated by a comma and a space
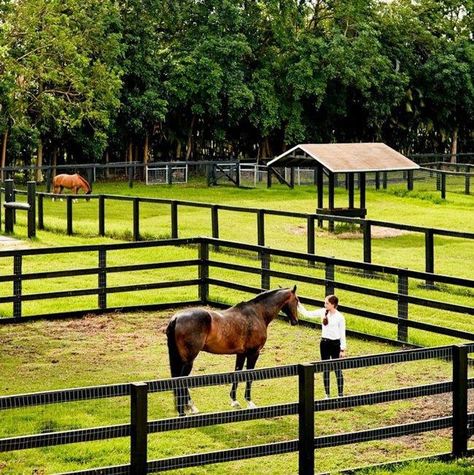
294, 289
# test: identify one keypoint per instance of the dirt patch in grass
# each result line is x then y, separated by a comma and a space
378, 232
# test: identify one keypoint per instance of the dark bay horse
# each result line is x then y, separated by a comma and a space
240, 330
73, 182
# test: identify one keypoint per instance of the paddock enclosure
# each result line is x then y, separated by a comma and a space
194, 271
402, 401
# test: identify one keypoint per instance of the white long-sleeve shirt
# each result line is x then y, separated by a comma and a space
336, 327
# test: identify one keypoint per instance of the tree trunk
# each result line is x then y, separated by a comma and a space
454, 145
146, 149
178, 150
39, 162
190, 138
130, 152
4, 152
107, 170
54, 162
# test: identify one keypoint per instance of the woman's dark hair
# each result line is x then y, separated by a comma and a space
332, 299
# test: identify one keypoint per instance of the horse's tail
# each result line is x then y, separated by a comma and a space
176, 363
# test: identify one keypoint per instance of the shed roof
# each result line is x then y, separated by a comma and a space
345, 157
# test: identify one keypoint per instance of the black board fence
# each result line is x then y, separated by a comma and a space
460, 420
260, 214
199, 280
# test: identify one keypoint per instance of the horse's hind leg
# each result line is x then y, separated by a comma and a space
251, 362
184, 398
239, 364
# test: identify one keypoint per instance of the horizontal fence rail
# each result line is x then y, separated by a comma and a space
460, 419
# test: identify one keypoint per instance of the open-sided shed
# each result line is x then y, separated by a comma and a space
348, 159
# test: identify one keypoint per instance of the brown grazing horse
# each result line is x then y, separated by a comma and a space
240, 330
73, 182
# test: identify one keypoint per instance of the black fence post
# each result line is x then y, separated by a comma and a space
269, 177
40, 211
174, 220
410, 180
169, 174
101, 215
292, 177
31, 185
261, 227
367, 230
102, 277
138, 428
130, 176
136, 219
306, 419
265, 266
402, 306
329, 278
429, 255
69, 215
467, 181
9, 197
215, 221
17, 284
460, 429
438, 177
311, 241
204, 272
443, 186
237, 174
377, 180
384, 180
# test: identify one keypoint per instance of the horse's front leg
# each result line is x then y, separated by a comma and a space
251, 362
239, 364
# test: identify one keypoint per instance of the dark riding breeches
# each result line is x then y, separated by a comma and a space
330, 349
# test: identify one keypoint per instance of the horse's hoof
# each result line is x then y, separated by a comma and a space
191, 408
235, 403
251, 405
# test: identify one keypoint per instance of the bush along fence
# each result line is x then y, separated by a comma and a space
140, 426
203, 272
260, 214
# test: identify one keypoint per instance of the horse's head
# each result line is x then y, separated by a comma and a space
290, 308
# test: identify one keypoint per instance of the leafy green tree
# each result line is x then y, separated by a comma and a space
62, 55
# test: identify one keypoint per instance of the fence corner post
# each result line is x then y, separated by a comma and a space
460, 420
138, 427
306, 419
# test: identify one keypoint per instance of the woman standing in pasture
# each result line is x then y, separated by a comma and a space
333, 337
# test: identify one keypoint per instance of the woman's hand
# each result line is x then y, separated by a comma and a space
342, 354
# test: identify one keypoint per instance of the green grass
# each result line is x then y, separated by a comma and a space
116, 348
395, 249
45, 355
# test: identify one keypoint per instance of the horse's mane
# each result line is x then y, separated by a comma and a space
259, 297
84, 181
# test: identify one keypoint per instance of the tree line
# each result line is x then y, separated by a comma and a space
139, 80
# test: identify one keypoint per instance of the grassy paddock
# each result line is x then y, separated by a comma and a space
39, 356
390, 247
116, 348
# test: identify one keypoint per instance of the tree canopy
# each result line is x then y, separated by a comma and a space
180, 79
